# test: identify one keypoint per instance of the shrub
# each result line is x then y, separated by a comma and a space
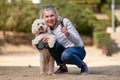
17, 15
101, 25
101, 39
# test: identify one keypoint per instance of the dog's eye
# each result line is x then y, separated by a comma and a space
42, 23
38, 24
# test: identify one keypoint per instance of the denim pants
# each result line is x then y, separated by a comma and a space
72, 55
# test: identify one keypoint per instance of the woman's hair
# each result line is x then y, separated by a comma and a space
41, 13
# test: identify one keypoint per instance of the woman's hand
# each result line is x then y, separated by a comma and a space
45, 40
65, 30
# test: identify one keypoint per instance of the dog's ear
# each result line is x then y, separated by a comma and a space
48, 30
33, 28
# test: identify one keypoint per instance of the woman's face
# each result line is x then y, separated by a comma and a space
50, 18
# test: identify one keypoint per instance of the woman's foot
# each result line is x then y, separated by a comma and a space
61, 69
84, 69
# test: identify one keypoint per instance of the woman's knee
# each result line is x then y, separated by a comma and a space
65, 56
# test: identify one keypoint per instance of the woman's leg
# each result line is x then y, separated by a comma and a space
75, 55
56, 52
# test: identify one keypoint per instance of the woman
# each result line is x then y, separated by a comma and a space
69, 48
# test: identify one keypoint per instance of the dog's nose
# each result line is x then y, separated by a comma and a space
41, 27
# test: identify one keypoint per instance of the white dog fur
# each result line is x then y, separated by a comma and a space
46, 60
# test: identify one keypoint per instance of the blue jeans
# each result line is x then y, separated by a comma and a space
72, 55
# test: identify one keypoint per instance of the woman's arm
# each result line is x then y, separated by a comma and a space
71, 32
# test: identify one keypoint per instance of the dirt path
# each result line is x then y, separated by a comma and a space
25, 66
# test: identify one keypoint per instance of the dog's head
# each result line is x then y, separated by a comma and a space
39, 26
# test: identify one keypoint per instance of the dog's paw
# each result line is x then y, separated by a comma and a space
50, 73
51, 45
42, 73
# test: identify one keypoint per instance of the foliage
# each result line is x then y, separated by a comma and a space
116, 1
101, 25
3, 9
17, 15
86, 1
101, 39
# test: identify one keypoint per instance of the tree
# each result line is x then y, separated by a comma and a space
17, 16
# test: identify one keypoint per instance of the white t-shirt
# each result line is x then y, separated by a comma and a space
72, 40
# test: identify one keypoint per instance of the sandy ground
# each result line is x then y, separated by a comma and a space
25, 65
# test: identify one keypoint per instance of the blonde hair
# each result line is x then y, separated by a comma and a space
41, 14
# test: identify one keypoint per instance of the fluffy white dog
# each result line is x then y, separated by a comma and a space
41, 30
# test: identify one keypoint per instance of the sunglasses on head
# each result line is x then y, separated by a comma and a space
46, 7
